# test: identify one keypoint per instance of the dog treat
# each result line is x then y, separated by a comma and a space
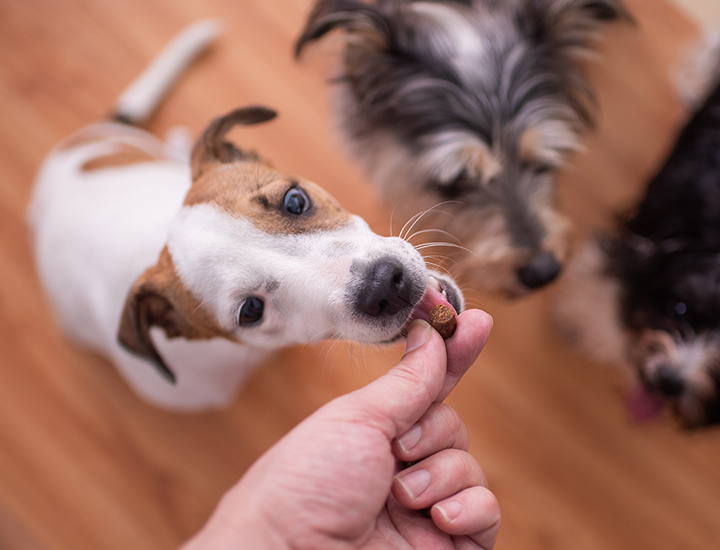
442, 319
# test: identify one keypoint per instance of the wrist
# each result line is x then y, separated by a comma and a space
234, 528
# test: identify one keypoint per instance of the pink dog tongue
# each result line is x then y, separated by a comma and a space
641, 405
430, 299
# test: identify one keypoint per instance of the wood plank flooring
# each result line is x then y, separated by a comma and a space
85, 465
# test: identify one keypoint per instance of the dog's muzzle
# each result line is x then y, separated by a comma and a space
539, 271
388, 289
392, 295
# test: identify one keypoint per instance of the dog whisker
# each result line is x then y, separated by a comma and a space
392, 220
328, 343
431, 231
409, 225
321, 335
436, 266
444, 245
414, 220
439, 262
326, 351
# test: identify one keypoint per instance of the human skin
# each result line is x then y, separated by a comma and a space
385, 466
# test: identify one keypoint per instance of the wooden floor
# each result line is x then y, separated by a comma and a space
85, 465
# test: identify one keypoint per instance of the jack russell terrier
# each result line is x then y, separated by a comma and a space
202, 269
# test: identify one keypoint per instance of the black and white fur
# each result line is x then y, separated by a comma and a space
471, 105
658, 280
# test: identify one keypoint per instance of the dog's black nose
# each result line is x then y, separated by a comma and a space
386, 290
669, 381
542, 269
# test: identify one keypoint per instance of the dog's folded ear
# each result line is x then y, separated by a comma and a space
212, 148
350, 15
145, 307
159, 299
151, 302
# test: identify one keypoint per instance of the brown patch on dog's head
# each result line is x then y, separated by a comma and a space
530, 144
548, 143
158, 298
246, 185
481, 161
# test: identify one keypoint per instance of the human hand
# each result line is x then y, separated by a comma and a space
335, 480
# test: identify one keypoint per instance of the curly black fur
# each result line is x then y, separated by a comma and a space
667, 259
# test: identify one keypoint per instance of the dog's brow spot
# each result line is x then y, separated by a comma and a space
272, 285
263, 200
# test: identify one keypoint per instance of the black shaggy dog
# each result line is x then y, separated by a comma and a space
661, 273
463, 110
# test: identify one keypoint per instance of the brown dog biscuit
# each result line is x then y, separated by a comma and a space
442, 319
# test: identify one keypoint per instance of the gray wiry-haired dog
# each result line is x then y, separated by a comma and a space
471, 105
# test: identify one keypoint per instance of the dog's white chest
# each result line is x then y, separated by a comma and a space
95, 233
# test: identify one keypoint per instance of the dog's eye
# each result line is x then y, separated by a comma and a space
296, 201
461, 186
544, 169
680, 310
251, 311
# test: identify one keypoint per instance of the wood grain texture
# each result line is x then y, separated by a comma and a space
85, 464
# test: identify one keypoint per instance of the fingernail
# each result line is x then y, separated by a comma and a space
410, 438
450, 510
418, 334
414, 483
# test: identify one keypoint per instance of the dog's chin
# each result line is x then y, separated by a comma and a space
439, 291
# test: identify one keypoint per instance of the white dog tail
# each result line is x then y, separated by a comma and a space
142, 97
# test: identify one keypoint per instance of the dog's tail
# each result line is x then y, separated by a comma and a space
138, 102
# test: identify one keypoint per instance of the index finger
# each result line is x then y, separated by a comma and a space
463, 347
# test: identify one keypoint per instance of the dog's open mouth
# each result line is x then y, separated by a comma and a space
437, 292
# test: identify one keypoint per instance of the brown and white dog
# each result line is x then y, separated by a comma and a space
201, 269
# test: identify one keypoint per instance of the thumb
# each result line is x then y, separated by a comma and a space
396, 400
